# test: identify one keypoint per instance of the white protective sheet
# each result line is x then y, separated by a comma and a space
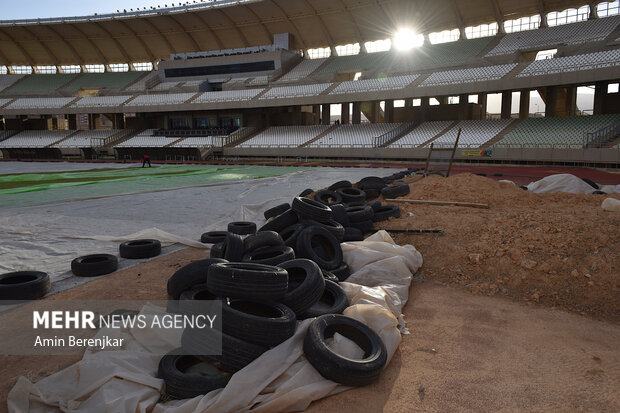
611, 204
568, 183
281, 380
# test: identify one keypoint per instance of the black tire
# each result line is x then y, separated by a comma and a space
213, 237
259, 322
198, 292
24, 285
395, 191
599, 193
306, 192
311, 209
305, 284
290, 235
385, 212
364, 226
355, 204
321, 246
217, 250
233, 247
262, 239
343, 272
236, 353
277, 210
242, 228
333, 301
328, 276
183, 385
281, 221
352, 234
190, 275
332, 226
140, 248
94, 265
344, 370
371, 182
270, 255
591, 183
372, 193
360, 213
247, 280
376, 204
339, 185
351, 194
328, 197
440, 173
339, 213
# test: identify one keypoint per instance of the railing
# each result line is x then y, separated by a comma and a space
238, 135
182, 133
393, 134
601, 136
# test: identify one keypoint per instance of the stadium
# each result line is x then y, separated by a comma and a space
404, 205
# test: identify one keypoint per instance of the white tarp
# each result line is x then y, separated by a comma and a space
568, 183
611, 204
281, 380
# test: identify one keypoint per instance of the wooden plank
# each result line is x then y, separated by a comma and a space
454, 203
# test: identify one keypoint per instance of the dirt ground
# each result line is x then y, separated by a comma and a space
468, 351
557, 250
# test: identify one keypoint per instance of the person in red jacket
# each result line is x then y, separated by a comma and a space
146, 159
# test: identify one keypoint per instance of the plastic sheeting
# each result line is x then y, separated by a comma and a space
281, 380
611, 204
568, 183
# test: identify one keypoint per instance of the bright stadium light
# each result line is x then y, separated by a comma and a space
407, 39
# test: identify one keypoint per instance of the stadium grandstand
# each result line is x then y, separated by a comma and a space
531, 81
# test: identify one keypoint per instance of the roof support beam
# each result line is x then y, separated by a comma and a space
147, 49
22, 49
74, 52
298, 37
499, 17
358, 33
459, 18
118, 45
242, 37
215, 37
542, 9
187, 34
102, 58
268, 34
164, 38
326, 33
51, 54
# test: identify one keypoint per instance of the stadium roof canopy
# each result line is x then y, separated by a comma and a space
151, 35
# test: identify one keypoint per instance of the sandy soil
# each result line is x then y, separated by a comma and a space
468, 351
557, 250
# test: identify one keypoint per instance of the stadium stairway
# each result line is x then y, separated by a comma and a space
330, 130
411, 126
63, 139
443, 132
517, 69
244, 135
120, 137
512, 126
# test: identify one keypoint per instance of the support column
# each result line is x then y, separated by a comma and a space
344, 114
316, 111
409, 103
482, 101
593, 11
571, 100
443, 100
463, 107
375, 107
425, 106
357, 113
506, 104
552, 101
326, 114
524, 104
600, 93
389, 111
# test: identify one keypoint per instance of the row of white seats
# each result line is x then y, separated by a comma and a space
164, 86
35, 139
285, 136
574, 33
161, 99
101, 101
421, 134
4, 101
374, 85
228, 96
8, 80
84, 138
197, 141
359, 136
283, 92
140, 84
39, 103
145, 139
459, 76
474, 132
302, 70
588, 61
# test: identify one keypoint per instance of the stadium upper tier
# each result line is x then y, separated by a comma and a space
565, 132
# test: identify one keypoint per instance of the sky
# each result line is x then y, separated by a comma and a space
32, 9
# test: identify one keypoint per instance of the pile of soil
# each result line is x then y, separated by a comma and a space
558, 250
